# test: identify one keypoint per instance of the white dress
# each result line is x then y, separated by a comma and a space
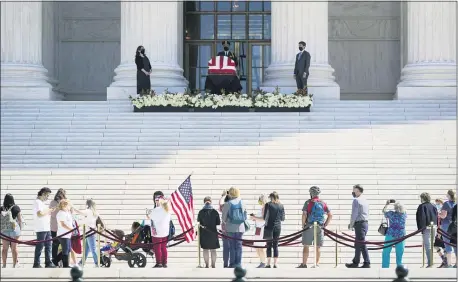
259, 224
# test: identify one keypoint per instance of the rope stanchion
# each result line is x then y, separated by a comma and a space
99, 256
83, 260
423, 255
315, 229
432, 235
199, 264
336, 252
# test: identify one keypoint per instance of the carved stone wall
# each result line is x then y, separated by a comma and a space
364, 46
89, 48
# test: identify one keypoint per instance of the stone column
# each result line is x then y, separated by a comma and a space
430, 72
301, 21
155, 25
22, 73
50, 41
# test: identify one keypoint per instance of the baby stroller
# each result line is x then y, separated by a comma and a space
124, 251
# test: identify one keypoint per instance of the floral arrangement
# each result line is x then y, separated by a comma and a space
259, 99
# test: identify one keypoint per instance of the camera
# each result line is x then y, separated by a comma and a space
392, 201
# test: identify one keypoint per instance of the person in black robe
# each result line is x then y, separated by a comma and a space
226, 45
143, 71
208, 217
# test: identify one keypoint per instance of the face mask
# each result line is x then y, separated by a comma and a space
353, 194
142, 51
311, 196
301, 48
226, 48
439, 207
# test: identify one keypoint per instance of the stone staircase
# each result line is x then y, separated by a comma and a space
104, 151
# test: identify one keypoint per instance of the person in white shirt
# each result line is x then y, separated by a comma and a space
258, 218
42, 221
161, 222
91, 216
64, 225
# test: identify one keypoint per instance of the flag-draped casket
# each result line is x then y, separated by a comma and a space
222, 74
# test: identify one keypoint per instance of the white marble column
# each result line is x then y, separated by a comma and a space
22, 73
50, 41
430, 72
301, 21
155, 25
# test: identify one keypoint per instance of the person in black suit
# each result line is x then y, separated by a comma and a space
301, 68
228, 53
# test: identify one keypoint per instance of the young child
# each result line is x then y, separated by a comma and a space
111, 246
438, 245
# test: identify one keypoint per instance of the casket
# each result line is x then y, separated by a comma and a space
222, 75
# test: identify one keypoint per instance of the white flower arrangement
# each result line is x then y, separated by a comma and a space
260, 100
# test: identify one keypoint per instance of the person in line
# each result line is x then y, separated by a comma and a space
359, 222
160, 217
42, 221
426, 213
208, 217
274, 214
143, 71
226, 249
452, 231
11, 227
60, 195
65, 224
439, 245
259, 222
446, 219
314, 210
397, 229
234, 217
91, 215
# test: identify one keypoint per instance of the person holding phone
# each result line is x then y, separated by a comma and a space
397, 228
259, 232
42, 220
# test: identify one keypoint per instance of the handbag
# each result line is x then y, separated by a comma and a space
383, 228
76, 240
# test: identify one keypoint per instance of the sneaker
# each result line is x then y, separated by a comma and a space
302, 266
50, 266
267, 266
37, 266
4, 266
443, 265
316, 266
157, 265
431, 266
164, 265
352, 265
275, 266
261, 265
366, 265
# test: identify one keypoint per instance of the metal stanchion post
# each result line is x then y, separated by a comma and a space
99, 257
432, 244
198, 246
83, 261
315, 230
337, 251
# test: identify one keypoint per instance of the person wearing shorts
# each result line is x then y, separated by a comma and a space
314, 210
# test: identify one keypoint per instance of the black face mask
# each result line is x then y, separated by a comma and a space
142, 51
301, 48
311, 196
353, 194
226, 48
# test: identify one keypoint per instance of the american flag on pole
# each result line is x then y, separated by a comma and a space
183, 207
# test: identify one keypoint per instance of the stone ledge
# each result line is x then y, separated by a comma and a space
252, 273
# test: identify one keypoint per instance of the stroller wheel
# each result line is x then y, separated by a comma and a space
131, 262
141, 260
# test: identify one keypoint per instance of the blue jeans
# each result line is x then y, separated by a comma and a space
235, 249
448, 249
91, 246
399, 248
226, 251
42, 236
66, 244
426, 236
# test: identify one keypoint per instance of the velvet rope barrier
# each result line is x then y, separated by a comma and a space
35, 242
395, 241
332, 236
444, 234
381, 244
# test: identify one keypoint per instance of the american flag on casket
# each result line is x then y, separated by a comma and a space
222, 65
222, 74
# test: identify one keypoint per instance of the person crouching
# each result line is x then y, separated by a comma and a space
161, 222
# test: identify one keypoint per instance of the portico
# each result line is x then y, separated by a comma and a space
84, 50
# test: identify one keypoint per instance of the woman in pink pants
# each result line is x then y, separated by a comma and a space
160, 228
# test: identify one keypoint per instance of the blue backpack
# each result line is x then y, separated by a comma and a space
236, 213
315, 211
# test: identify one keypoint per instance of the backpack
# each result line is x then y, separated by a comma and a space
315, 211
6, 220
236, 213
